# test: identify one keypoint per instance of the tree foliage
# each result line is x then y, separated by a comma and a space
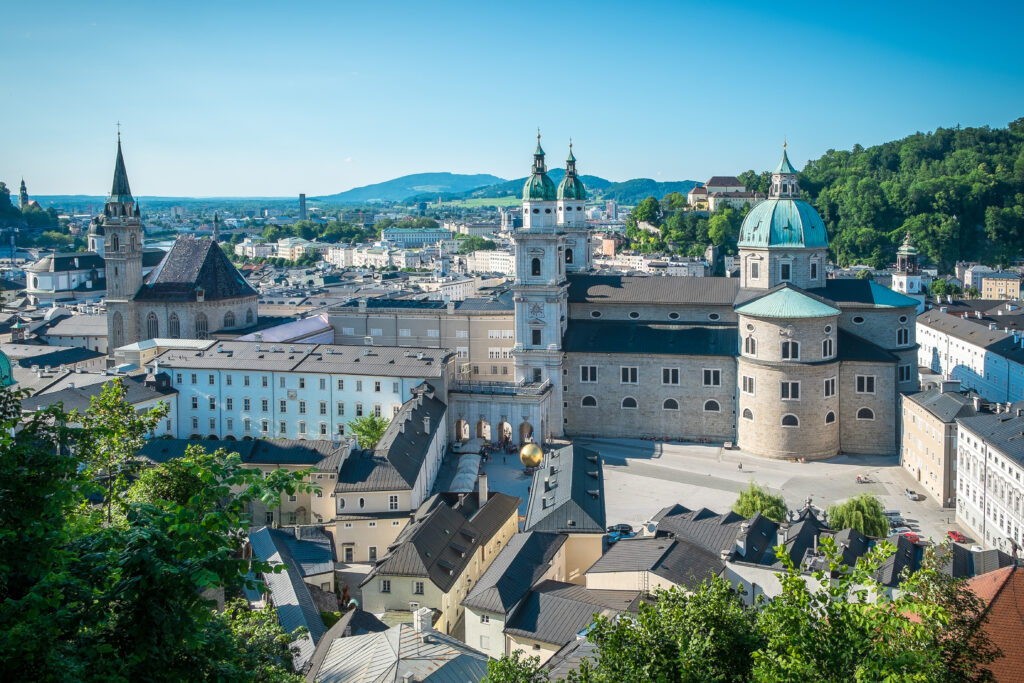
94, 598
368, 429
756, 499
474, 243
863, 513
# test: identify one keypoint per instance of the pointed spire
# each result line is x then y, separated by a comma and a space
540, 150
571, 156
784, 165
119, 190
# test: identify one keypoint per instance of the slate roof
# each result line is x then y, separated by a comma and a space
859, 350
725, 181
313, 550
787, 301
79, 325
592, 336
289, 594
854, 292
525, 558
62, 262
645, 290
400, 654
567, 494
969, 330
355, 622
60, 355
192, 264
1002, 591
1002, 431
325, 456
79, 397
703, 527
442, 537
944, 406
569, 658
555, 611
396, 462
682, 563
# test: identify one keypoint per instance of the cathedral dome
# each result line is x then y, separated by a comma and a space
571, 186
539, 187
783, 222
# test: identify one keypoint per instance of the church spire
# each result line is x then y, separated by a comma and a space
120, 191
784, 183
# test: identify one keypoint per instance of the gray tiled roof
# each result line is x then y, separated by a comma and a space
442, 537
61, 355
567, 494
555, 612
645, 290
995, 341
682, 563
73, 325
323, 455
592, 336
354, 622
703, 527
397, 460
312, 550
65, 261
516, 568
192, 264
944, 406
1002, 431
79, 397
289, 594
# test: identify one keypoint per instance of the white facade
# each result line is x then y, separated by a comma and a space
990, 491
996, 377
252, 249
492, 261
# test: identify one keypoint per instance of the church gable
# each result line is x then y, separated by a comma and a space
190, 265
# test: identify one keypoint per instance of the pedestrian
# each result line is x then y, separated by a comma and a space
740, 467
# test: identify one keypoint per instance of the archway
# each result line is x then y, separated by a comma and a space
504, 432
461, 430
483, 430
525, 432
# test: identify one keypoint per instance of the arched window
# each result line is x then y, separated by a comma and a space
152, 326
865, 414
826, 348
248, 317
712, 407
115, 242
535, 267
118, 326
589, 402
229, 320
748, 414
790, 350
131, 240
568, 256
790, 421
750, 346
902, 336
670, 404
174, 327
202, 326
830, 417
629, 402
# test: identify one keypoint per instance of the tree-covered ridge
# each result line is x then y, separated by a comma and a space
958, 191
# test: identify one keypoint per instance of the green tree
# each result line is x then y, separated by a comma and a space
648, 210
756, 499
865, 274
113, 432
368, 429
706, 635
474, 243
863, 513
516, 668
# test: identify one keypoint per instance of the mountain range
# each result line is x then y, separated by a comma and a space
397, 189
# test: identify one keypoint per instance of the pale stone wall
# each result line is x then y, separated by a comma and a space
770, 333
362, 534
875, 436
654, 312
880, 325
532, 648
581, 552
215, 311
770, 273
609, 419
928, 451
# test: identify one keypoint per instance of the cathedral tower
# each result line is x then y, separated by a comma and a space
571, 201
121, 225
22, 196
541, 290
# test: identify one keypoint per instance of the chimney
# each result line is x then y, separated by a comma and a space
426, 424
949, 298
451, 307
943, 309
976, 400
482, 486
977, 314
991, 326
258, 336
297, 530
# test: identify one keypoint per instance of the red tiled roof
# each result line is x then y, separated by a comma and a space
1003, 592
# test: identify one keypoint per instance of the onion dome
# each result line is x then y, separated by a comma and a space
539, 187
571, 186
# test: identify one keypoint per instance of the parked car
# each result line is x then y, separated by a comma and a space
901, 530
616, 536
891, 513
897, 521
956, 536
911, 536
620, 528
911, 494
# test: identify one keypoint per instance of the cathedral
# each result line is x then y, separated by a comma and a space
781, 361
195, 290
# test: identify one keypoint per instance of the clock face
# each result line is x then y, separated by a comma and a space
537, 310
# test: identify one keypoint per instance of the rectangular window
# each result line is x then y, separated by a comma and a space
302, 407
283, 406
535, 337
177, 378
227, 380
462, 351
246, 404
826, 348
265, 405
195, 403
359, 385
280, 382
494, 334
588, 373
748, 385
341, 385
213, 403
213, 424
394, 387
785, 271
376, 332
350, 331
628, 375
830, 387
323, 407
195, 423
712, 378
670, 376
790, 391
229, 404
865, 384
394, 409
340, 408
372, 550
905, 373
417, 588
790, 350
229, 424
212, 379
385, 585
245, 380
359, 410
264, 426
195, 379
461, 334
302, 383
323, 432
433, 333
376, 386
902, 336
814, 270
246, 425
392, 502
323, 384
265, 381
376, 410
404, 332
755, 270
302, 427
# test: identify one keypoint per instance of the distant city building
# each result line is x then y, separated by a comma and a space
1001, 285
302, 207
414, 237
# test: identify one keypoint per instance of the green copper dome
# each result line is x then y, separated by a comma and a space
6, 373
571, 186
784, 165
538, 187
791, 223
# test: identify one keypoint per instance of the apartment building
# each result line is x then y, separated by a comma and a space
1002, 285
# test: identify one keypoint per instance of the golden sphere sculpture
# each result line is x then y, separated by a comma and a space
531, 454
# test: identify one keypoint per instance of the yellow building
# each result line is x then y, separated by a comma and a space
1002, 285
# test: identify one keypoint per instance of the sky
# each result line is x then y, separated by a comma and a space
272, 99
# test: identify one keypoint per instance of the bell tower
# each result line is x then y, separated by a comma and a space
121, 225
906, 279
572, 198
540, 289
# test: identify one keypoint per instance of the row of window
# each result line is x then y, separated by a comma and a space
629, 374
630, 403
790, 420
229, 404
635, 315
392, 503
785, 271
789, 350
202, 325
417, 586
378, 385
229, 427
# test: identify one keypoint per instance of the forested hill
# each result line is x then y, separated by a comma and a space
958, 191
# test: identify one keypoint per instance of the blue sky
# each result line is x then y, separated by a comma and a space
252, 98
